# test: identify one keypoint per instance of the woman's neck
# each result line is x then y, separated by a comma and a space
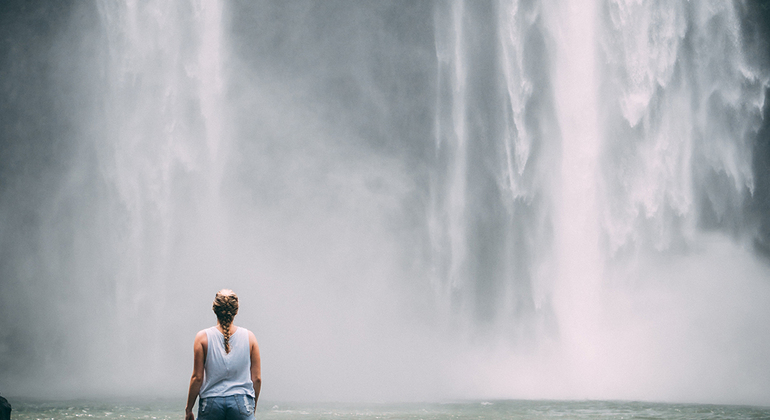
232, 328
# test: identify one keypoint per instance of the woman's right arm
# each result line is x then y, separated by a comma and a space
199, 359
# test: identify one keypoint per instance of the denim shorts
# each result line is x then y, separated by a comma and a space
231, 407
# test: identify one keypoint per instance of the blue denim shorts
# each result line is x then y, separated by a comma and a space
231, 407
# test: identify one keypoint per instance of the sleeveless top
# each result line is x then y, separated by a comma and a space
227, 374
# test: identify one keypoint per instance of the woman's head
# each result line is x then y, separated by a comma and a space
225, 307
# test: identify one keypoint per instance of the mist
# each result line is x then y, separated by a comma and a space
414, 201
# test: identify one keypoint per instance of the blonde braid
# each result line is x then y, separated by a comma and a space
226, 307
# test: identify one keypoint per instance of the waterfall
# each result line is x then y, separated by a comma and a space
619, 136
448, 229
652, 111
158, 139
577, 253
476, 199
164, 113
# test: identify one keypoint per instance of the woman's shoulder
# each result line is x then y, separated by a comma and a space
246, 334
202, 337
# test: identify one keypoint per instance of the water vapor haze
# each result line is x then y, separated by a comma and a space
413, 200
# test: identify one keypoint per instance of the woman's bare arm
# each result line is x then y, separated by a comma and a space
256, 368
199, 359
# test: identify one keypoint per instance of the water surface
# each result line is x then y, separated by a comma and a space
514, 409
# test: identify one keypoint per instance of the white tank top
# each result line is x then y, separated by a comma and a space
227, 373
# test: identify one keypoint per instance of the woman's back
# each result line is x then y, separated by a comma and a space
227, 373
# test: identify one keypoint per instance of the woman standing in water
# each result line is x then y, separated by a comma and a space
226, 370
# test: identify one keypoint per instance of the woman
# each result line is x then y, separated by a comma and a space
226, 370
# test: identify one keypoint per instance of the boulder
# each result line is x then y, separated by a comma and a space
5, 409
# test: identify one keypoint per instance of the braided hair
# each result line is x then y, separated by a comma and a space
225, 307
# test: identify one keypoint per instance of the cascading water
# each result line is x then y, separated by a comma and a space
652, 111
547, 199
140, 197
623, 135
163, 108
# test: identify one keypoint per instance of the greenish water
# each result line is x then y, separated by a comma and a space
477, 410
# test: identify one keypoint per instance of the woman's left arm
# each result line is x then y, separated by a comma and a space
256, 368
